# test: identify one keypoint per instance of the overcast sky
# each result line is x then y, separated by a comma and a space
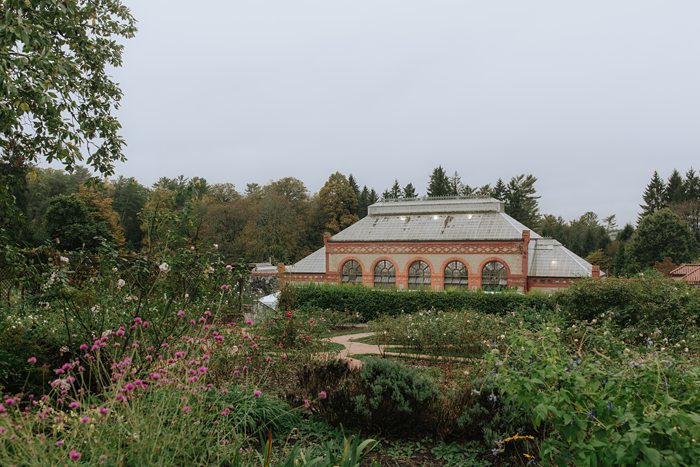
589, 96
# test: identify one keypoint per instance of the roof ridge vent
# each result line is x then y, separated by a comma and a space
436, 205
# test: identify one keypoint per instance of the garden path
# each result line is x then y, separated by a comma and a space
351, 347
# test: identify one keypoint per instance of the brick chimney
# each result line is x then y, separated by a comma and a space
595, 271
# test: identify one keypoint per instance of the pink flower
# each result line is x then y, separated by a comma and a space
59, 443
74, 405
256, 393
74, 455
31, 360
155, 376
229, 267
129, 387
181, 313
3, 430
224, 286
84, 347
202, 369
85, 420
186, 409
2, 409
138, 320
323, 395
104, 411
307, 403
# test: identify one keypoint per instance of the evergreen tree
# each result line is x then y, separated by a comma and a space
521, 200
654, 196
439, 183
675, 188
659, 236
394, 192
620, 260
353, 184
456, 185
363, 202
372, 198
626, 233
499, 190
409, 191
691, 186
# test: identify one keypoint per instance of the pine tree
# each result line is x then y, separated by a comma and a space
499, 190
363, 202
395, 190
620, 260
691, 186
675, 188
654, 196
456, 185
409, 191
372, 198
353, 184
521, 200
439, 184
338, 202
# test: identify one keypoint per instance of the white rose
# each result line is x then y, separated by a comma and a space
121, 283
64, 259
164, 267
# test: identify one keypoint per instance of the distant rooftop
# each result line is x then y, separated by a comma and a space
437, 205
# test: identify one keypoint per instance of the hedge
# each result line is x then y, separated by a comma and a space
372, 303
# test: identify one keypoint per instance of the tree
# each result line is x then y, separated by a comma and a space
456, 185
128, 199
409, 191
394, 192
223, 193
362, 202
439, 183
338, 202
661, 235
56, 97
71, 223
675, 188
654, 196
353, 184
499, 190
620, 260
521, 200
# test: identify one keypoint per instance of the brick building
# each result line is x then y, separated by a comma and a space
439, 244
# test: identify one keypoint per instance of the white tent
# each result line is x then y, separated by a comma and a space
270, 301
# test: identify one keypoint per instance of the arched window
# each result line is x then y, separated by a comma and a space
384, 274
494, 276
352, 272
456, 275
418, 275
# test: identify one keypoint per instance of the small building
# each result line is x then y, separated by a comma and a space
441, 244
688, 273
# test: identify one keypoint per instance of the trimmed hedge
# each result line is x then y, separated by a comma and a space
642, 304
372, 303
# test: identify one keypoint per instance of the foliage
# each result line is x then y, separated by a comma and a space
339, 203
654, 196
439, 183
661, 235
601, 408
56, 98
636, 306
72, 223
521, 200
373, 303
463, 333
383, 395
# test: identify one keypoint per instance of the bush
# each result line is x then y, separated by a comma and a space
373, 303
465, 333
383, 395
639, 407
637, 306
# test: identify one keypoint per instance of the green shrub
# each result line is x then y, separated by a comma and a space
372, 303
383, 395
465, 333
639, 407
635, 306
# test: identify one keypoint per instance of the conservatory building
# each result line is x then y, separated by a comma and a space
441, 244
